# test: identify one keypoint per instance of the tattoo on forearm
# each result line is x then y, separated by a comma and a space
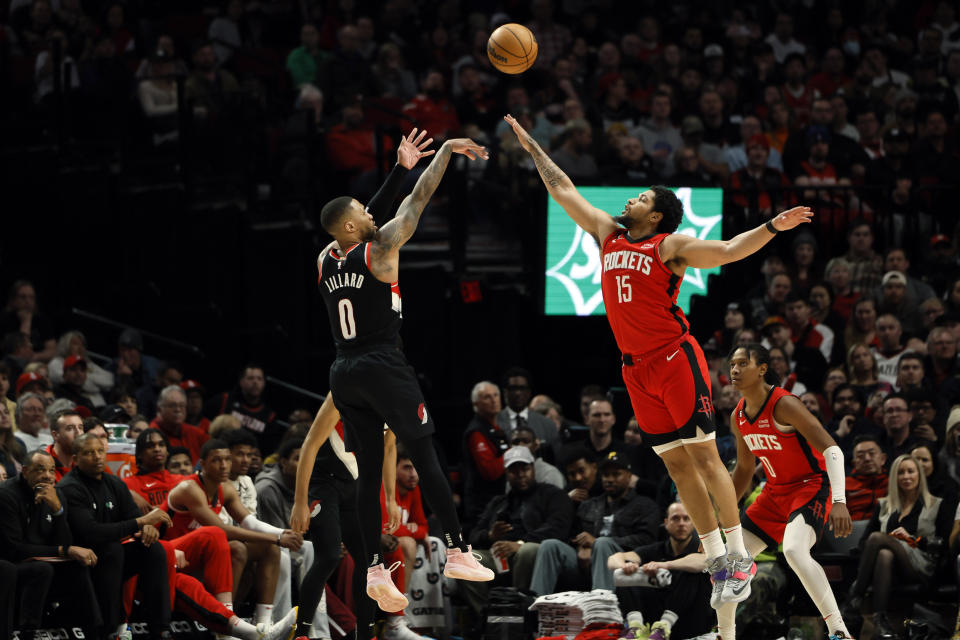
552, 174
401, 228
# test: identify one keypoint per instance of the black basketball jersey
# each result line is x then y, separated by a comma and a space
364, 312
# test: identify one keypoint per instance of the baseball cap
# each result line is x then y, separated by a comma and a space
615, 459
713, 51
191, 385
939, 239
773, 321
131, 339
893, 276
691, 124
28, 379
735, 306
817, 133
72, 361
517, 454
114, 413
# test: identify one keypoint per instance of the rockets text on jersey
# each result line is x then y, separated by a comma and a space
786, 455
640, 294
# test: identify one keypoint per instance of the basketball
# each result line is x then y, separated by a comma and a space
512, 48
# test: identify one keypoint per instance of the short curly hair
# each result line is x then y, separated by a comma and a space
666, 202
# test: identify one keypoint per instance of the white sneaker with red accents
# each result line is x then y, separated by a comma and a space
466, 566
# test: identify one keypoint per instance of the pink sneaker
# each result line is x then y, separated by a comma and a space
464, 566
380, 587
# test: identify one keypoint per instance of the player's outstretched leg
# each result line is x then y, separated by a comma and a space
740, 565
461, 562
693, 467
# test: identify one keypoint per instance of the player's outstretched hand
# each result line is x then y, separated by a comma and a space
791, 218
840, 521
468, 147
526, 141
412, 147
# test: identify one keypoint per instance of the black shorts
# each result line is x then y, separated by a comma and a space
332, 493
376, 388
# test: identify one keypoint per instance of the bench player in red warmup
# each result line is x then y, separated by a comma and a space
805, 486
664, 369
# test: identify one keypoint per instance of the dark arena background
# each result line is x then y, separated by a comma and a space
169, 178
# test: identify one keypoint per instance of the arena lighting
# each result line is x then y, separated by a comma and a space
572, 269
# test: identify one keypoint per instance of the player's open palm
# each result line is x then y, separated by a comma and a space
526, 141
791, 218
412, 147
840, 522
469, 148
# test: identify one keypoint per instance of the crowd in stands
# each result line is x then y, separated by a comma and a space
849, 110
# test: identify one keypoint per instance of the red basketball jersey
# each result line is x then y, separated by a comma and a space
154, 487
640, 294
183, 521
787, 457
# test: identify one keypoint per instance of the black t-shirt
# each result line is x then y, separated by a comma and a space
41, 328
364, 312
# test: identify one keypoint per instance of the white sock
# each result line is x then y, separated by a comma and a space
727, 621
734, 537
394, 621
713, 545
264, 613
669, 617
228, 605
243, 629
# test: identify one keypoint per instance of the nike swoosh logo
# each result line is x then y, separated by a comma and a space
149, 484
740, 590
670, 357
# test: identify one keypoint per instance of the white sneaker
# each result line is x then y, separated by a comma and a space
718, 578
282, 629
397, 629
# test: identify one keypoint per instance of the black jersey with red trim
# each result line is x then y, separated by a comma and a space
786, 455
364, 312
640, 293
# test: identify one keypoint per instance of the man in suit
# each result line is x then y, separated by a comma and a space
517, 391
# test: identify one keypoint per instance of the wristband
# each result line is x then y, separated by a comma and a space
772, 229
278, 539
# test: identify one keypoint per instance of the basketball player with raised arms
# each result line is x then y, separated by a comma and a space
370, 380
664, 369
805, 487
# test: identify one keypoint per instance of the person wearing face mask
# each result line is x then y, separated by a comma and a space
901, 544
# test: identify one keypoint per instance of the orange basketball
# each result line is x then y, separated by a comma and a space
512, 48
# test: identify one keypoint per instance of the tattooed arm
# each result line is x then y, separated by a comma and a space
385, 249
592, 220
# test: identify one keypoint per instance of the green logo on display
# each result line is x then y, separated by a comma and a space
573, 264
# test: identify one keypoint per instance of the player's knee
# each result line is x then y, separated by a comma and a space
795, 552
238, 552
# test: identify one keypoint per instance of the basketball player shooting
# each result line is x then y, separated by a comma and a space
664, 369
370, 380
805, 488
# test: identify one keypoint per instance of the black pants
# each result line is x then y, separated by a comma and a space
115, 564
377, 388
338, 521
8, 596
688, 596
